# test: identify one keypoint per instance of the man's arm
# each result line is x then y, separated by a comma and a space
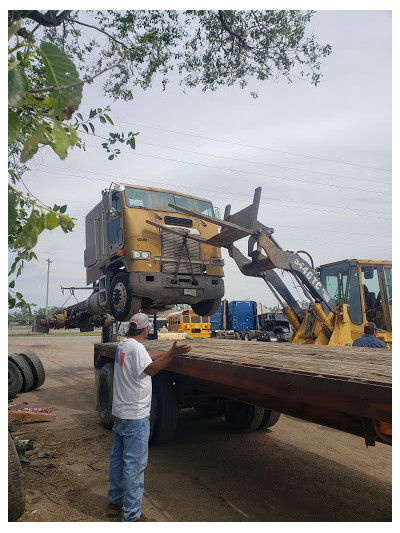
163, 358
155, 354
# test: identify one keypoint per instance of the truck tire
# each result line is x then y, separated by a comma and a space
270, 418
122, 303
165, 410
247, 337
36, 366
27, 376
207, 307
15, 380
243, 417
16, 489
105, 395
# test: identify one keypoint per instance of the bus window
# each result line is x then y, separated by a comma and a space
186, 319
195, 319
203, 207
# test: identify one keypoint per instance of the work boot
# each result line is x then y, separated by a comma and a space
114, 510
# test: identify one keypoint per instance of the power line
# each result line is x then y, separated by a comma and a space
257, 147
242, 198
136, 154
264, 164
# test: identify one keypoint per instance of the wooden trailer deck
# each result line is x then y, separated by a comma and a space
342, 387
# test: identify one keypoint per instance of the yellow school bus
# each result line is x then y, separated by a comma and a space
138, 255
188, 322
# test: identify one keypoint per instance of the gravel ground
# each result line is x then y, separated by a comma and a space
295, 472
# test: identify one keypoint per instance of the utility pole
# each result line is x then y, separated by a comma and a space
47, 291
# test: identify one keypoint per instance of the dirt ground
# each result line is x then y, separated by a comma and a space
294, 472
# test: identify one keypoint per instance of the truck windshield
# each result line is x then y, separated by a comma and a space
158, 201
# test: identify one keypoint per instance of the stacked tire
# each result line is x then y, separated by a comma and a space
25, 373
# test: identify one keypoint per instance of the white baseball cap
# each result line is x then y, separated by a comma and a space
140, 320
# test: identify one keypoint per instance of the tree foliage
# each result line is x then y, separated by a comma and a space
50, 57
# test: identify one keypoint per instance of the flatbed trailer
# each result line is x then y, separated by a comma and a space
345, 388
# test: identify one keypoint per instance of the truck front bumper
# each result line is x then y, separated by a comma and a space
166, 289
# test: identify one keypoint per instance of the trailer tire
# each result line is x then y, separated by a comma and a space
243, 417
207, 307
165, 410
27, 375
105, 395
270, 418
36, 366
15, 380
16, 489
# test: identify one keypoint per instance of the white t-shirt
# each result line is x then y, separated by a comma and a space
132, 386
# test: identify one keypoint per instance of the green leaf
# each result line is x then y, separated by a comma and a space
61, 72
11, 303
109, 119
61, 140
12, 30
12, 284
51, 221
91, 127
31, 144
14, 126
102, 119
63, 208
17, 86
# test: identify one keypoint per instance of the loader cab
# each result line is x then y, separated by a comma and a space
366, 287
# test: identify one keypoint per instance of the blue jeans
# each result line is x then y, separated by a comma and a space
127, 463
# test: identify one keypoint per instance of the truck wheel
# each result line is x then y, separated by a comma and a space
166, 410
105, 394
279, 336
123, 305
14, 380
247, 337
27, 376
36, 366
270, 418
243, 417
16, 489
206, 308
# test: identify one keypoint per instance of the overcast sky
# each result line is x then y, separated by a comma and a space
322, 156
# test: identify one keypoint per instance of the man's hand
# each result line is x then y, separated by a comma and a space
180, 349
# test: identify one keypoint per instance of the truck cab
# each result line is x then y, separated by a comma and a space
138, 255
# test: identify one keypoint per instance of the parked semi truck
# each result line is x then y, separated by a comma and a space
239, 319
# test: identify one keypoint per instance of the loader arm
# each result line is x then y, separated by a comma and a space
244, 223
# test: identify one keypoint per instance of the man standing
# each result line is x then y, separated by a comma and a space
133, 369
369, 340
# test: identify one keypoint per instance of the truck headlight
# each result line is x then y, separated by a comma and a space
140, 255
217, 261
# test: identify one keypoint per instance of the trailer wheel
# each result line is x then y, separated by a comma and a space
15, 380
105, 394
270, 418
243, 417
207, 307
122, 303
27, 375
16, 489
36, 366
165, 410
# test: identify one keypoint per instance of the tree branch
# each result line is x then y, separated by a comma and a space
231, 32
74, 21
76, 84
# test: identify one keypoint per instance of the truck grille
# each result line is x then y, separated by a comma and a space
171, 246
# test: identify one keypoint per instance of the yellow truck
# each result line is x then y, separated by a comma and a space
139, 255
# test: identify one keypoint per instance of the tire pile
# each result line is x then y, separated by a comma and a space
25, 373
